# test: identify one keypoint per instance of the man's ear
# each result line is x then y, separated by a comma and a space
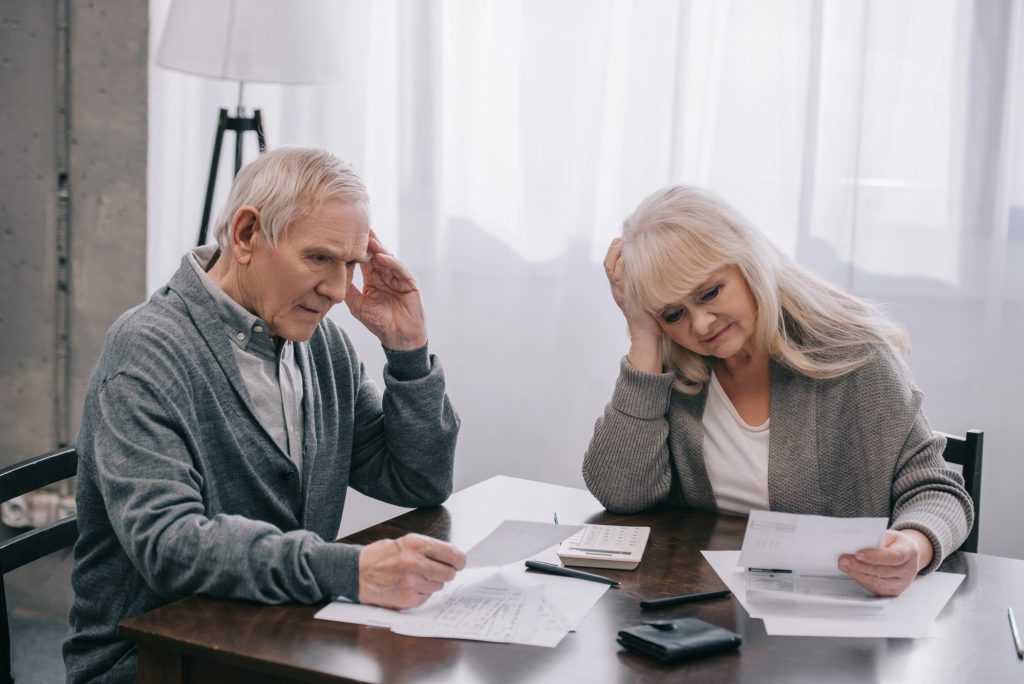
245, 231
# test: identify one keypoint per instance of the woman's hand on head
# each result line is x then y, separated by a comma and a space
889, 569
644, 331
615, 269
638, 319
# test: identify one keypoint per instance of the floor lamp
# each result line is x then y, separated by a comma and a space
263, 41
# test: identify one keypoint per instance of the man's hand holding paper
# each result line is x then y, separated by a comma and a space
403, 573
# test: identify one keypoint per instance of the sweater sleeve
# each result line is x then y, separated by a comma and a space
154, 499
925, 494
627, 465
928, 496
403, 450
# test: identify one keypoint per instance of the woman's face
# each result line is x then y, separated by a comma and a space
717, 319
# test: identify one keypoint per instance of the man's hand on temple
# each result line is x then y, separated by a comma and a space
389, 304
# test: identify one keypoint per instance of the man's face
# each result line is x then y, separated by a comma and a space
294, 284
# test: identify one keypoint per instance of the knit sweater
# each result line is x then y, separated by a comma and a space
854, 446
181, 490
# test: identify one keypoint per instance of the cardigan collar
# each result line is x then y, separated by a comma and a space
204, 312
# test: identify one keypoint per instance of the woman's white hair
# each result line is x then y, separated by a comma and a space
679, 235
284, 185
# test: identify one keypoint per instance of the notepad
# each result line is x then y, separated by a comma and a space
617, 547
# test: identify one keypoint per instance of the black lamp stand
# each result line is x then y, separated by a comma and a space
239, 124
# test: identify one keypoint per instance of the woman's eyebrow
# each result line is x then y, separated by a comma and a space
695, 293
712, 277
698, 291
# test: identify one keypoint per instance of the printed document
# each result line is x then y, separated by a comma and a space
799, 555
488, 603
509, 605
489, 610
911, 615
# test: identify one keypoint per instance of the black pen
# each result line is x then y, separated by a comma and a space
685, 598
567, 572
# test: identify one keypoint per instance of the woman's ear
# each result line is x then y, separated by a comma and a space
244, 232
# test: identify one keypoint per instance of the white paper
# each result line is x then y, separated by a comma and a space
489, 610
572, 598
808, 544
812, 605
511, 596
343, 610
911, 615
516, 540
836, 589
798, 555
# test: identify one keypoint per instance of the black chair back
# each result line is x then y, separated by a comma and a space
966, 451
30, 545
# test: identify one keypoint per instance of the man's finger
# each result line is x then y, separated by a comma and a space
428, 586
436, 573
389, 263
375, 246
366, 269
447, 555
437, 550
354, 299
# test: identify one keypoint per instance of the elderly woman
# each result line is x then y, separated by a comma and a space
752, 384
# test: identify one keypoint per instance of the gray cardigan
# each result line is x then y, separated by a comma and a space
855, 446
181, 491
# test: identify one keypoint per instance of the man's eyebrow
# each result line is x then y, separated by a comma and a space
365, 259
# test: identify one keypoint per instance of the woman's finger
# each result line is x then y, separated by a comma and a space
613, 255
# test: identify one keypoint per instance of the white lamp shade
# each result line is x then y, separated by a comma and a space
271, 41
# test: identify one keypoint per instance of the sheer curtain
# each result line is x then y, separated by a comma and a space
878, 143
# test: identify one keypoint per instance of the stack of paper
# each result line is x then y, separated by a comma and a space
787, 574
489, 603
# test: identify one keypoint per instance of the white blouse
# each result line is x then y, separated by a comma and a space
735, 454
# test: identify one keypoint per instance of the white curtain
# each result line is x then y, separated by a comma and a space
878, 143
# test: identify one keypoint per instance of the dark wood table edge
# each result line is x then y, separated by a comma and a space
167, 654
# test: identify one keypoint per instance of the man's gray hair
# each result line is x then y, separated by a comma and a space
284, 185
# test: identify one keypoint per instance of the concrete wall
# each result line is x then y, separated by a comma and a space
93, 54
28, 176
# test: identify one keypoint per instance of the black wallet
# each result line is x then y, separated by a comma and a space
673, 641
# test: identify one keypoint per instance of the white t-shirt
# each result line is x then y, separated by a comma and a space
735, 454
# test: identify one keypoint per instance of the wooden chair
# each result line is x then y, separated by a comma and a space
28, 546
966, 452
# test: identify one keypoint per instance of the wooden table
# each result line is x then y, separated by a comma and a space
207, 640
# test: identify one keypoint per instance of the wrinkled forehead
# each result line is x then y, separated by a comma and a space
337, 223
307, 205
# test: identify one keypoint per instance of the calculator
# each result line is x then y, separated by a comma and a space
617, 547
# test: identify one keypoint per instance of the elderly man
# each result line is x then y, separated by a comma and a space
227, 416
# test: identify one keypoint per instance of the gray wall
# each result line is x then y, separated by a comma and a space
99, 65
